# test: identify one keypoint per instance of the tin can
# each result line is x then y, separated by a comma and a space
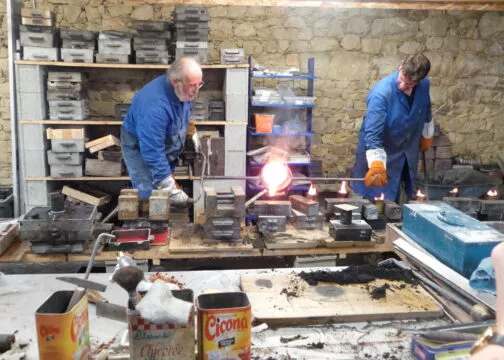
63, 334
164, 341
224, 329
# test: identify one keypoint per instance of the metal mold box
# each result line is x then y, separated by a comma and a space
74, 225
456, 239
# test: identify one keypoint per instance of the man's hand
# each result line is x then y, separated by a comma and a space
376, 175
425, 143
176, 196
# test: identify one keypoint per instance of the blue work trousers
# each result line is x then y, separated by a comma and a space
139, 172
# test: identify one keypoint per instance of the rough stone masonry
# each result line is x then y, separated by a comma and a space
352, 49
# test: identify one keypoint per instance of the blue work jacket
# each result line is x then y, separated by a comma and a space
159, 121
394, 125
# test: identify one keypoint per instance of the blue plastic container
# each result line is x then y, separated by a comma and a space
454, 238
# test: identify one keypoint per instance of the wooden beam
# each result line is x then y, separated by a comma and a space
475, 5
124, 66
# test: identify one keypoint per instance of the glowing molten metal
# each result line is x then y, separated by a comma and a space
381, 198
275, 176
420, 195
343, 189
491, 195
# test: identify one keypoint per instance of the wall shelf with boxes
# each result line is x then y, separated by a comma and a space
33, 121
122, 66
281, 119
117, 122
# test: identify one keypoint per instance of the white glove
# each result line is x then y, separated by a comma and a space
197, 143
177, 196
167, 184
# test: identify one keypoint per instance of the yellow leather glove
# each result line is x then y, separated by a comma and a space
425, 143
376, 175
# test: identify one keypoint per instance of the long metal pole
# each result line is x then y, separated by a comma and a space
12, 12
293, 179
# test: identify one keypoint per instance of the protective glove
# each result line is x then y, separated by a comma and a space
191, 129
193, 134
376, 175
176, 196
197, 143
425, 143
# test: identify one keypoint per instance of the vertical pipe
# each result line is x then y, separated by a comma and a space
12, 102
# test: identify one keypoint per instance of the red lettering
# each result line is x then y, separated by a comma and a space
48, 330
214, 329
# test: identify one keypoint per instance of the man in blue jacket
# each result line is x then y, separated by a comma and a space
155, 128
398, 123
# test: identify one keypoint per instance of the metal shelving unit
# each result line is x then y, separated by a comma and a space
31, 123
253, 166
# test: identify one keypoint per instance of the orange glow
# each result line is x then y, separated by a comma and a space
312, 191
420, 195
492, 193
275, 174
343, 188
381, 198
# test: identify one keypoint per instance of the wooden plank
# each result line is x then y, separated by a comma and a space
95, 167
477, 5
223, 123
77, 133
102, 143
97, 178
109, 121
189, 239
327, 302
84, 178
9, 232
346, 244
19, 251
378, 248
72, 122
15, 252
87, 194
122, 66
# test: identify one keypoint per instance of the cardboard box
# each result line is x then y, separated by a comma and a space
162, 341
61, 334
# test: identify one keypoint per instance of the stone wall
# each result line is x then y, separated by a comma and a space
352, 49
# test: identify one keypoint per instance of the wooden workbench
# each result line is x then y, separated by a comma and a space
20, 252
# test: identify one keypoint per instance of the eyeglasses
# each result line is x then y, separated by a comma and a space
198, 86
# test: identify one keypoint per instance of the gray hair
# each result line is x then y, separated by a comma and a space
178, 69
416, 66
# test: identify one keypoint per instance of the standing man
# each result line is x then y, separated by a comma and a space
398, 123
155, 128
